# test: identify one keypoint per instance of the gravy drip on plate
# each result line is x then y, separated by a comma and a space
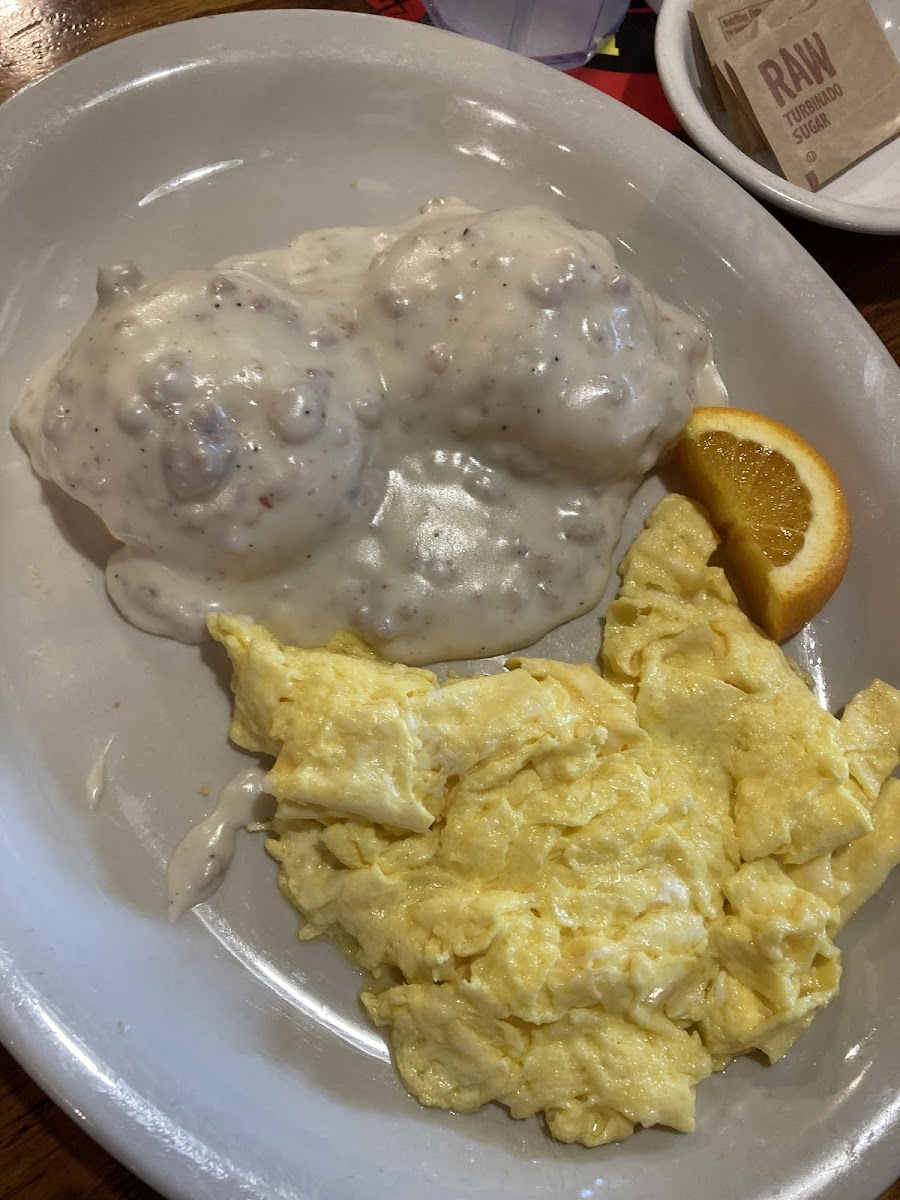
200, 860
426, 433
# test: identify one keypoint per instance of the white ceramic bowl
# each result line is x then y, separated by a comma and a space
866, 197
218, 1057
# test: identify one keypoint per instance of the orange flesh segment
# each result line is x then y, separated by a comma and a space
755, 472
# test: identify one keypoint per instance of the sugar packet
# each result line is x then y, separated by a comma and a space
821, 81
716, 23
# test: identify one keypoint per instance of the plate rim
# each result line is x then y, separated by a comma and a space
71, 1085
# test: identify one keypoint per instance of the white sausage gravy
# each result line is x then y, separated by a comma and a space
427, 433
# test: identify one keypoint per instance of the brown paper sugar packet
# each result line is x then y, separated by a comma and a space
824, 86
710, 92
730, 25
769, 14
721, 20
717, 23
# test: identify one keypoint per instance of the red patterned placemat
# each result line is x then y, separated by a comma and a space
625, 70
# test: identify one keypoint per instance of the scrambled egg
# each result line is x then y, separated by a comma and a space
579, 894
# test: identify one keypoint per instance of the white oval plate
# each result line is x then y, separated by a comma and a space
866, 197
220, 1058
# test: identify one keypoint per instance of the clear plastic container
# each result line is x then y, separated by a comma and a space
561, 33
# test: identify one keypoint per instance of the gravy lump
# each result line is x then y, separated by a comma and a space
427, 433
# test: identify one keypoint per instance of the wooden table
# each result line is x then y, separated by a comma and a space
44, 1155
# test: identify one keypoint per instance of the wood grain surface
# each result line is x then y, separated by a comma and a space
43, 1154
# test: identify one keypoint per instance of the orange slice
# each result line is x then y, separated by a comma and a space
778, 506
